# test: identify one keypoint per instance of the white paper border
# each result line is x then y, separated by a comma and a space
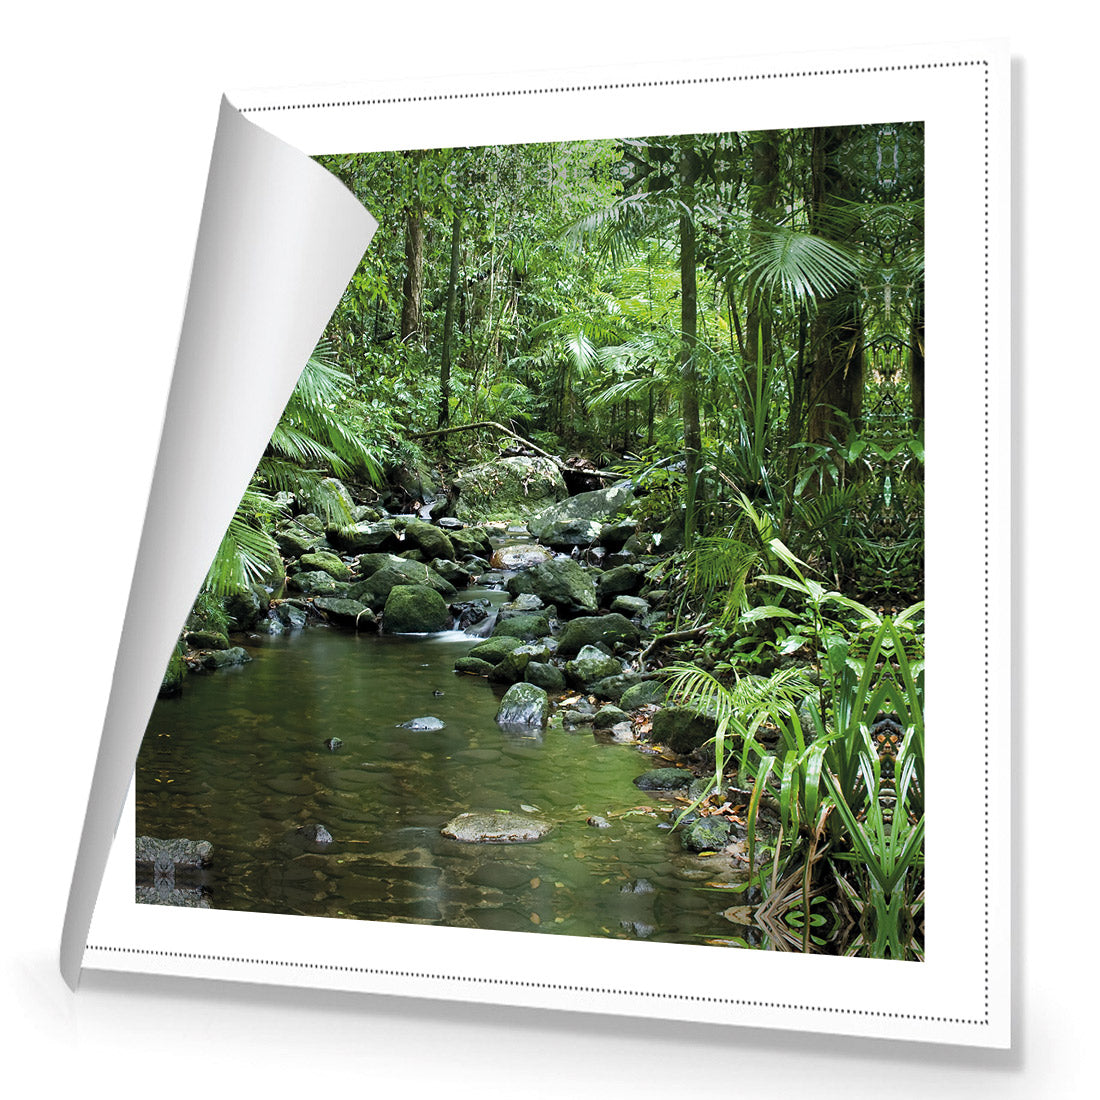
960, 993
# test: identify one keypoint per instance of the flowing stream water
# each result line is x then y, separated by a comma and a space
240, 760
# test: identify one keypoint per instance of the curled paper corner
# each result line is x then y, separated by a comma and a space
278, 241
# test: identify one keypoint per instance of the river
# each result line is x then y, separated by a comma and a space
240, 760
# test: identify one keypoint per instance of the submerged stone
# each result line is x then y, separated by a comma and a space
427, 723
497, 827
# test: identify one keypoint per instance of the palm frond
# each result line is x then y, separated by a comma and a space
799, 266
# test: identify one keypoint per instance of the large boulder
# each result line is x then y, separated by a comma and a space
600, 506
682, 728
375, 590
512, 488
525, 627
612, 631
564, 534
415, 609
431, 540
561, 582
523, 706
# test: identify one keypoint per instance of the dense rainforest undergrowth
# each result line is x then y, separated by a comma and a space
733, 326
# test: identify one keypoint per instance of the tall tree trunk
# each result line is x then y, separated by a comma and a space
689, 384
412, 321
835, 382
448, 324
763, 197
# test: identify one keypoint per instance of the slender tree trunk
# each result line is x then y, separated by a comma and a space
689, 383
412, 321
448, 323
916, 363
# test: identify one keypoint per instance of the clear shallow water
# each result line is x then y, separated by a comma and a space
240, 760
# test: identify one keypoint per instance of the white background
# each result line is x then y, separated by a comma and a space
109, 115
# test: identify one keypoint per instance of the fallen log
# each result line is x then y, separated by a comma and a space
519, 439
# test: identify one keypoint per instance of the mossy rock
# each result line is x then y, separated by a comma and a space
589, 666
357, 538
473, 666
623, 580
633, 607
509, 489
525, 627
316, 582
664, 779
523, 706
172, 683
496, 827
682, 728
375, 591
544, 675
561, 582
248, 607
225, 658
512, 668
347, 613
613, 688
706, 834
325, 563
206, 639
643, 693
495, 649
613, 630
415, 609
609, 716
434, 542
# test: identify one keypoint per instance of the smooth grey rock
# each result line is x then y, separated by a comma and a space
428, 723
496, 827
